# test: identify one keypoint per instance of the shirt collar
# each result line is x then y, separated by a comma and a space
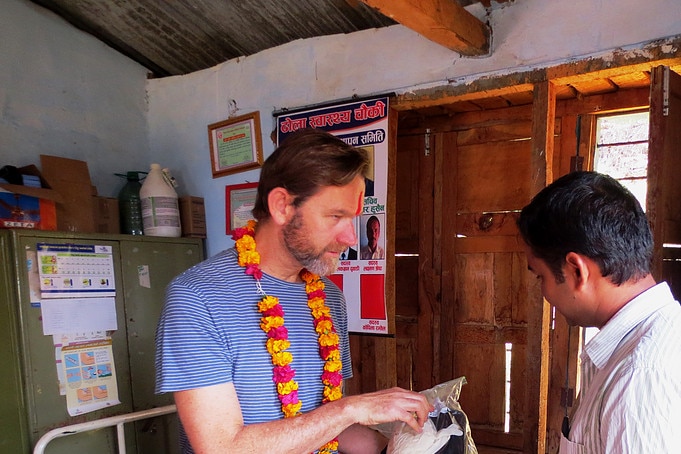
602, 346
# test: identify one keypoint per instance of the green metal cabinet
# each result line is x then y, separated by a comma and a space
30, 403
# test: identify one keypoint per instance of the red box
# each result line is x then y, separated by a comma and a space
28, 207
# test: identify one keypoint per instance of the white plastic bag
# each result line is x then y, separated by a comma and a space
446, 432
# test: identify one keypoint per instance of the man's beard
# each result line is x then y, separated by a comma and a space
299, 244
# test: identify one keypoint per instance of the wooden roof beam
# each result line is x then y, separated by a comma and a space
445, 22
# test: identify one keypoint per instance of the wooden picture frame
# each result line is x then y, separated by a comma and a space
235, 144
239, 201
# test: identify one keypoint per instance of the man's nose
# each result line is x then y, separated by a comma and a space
348, 236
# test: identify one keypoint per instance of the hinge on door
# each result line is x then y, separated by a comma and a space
426, 151
665, 92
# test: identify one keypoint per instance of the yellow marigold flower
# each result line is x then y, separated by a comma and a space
324, 326
327, 340
249, 258
291, 410
332, 393
334, 355
281, 358
330, 447
277, 345
315, 303
245, 243
268, 302
286, 388
251, 224
314, 286
333, 366
268, 323
307, 276
317, 313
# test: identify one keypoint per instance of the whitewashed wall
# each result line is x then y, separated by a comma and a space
526, 34
64, 93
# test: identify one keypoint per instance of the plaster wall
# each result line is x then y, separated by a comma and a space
62, 92
526, 34
65, 93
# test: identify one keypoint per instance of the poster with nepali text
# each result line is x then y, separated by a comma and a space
361, 267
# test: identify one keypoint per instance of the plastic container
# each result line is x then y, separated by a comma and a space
160, 208
129, 204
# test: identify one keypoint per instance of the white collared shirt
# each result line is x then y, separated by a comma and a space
630, 401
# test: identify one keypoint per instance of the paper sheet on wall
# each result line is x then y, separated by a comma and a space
90, 377
78, 315
75, 270
33, 278
64, 340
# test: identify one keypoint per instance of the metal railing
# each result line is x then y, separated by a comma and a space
117, 421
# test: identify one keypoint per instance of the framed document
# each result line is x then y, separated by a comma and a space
239, 202
235, 144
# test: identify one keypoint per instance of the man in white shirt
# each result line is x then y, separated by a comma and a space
588, 241
372, 251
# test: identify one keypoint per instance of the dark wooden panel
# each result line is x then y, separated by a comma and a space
484, 182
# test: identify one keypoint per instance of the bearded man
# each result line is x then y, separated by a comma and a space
253, 342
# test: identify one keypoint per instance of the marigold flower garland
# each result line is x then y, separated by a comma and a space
272, 323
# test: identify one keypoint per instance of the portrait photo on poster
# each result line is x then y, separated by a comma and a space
370, 175
372, 241
352, 251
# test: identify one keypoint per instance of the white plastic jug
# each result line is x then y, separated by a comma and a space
160, 209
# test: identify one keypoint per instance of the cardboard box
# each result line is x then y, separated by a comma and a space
108, 216
71, 178
29, 207
192, 217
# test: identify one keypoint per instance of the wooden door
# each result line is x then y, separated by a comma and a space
466, 311
664, 183
417, 271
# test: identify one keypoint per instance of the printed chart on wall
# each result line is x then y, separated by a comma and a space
76, 289
361, 268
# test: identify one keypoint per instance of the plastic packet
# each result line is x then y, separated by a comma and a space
446, 432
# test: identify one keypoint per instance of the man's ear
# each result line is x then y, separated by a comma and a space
576, 269
280, 204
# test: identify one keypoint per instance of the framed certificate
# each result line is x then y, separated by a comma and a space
239, 202
235, 144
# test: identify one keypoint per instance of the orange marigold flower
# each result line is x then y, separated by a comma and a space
267, 303
332, 393
324, 326
308, 276
333, 366
286, 388
326, 340
320, 312
248, 258
315, 303
291, 410
281, 358
245, 243
267, 323
331, 354
277, 345
314, 286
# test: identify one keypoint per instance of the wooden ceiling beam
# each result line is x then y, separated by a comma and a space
445, 22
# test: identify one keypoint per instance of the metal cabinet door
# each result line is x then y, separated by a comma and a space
149, 264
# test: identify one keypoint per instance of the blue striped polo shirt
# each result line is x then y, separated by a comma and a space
209, 333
